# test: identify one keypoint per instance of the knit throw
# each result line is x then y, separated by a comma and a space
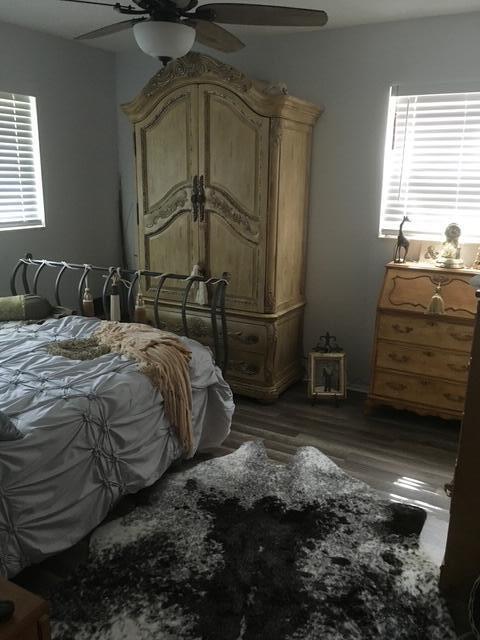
165, 360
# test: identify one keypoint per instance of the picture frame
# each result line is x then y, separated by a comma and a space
327, 375
427, 251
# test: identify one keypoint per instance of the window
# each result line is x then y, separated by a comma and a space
432, 165
21, 197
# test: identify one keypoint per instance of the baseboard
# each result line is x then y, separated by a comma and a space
359, 388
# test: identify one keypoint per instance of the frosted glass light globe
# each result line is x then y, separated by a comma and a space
164, 39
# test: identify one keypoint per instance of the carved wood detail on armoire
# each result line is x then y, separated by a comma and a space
421, 359
223, 178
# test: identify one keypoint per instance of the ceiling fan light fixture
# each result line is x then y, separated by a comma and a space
164, 39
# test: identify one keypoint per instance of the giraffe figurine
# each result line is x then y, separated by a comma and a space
402, 243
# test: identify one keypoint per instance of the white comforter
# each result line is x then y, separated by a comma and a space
93, 431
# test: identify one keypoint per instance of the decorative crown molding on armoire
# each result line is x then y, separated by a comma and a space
223, 173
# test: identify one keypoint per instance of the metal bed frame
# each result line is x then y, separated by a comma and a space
130, 279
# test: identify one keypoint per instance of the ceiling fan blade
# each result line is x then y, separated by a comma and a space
263, 15
112, 28
216, 37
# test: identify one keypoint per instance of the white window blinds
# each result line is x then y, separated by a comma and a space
21, 198
432, 165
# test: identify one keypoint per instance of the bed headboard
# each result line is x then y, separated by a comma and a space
130, 281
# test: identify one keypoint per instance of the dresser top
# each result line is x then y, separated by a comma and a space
427, 266
28, 609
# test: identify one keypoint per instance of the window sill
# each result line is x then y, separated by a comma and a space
23, 227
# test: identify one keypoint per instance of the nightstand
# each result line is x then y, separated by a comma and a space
30, 620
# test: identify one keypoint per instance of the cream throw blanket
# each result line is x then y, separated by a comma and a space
164, 359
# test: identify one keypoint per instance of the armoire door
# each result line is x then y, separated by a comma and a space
233, 158
167, 161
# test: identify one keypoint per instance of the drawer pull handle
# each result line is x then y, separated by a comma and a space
397, 358
462, 337
251, 338
397, 386
246, 368
458, 368
454, 397
400, 329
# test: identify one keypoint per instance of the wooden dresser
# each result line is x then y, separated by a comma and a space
420, 359
30, 620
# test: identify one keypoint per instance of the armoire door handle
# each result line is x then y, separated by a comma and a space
201, 198
194, 198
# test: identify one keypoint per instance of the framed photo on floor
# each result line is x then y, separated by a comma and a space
327, 375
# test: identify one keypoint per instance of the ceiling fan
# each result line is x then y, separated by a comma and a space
167, 29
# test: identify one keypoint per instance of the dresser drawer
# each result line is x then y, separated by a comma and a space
411, 289
425, 331
420, 390
423, 360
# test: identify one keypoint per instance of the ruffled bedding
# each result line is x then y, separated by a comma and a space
92, 430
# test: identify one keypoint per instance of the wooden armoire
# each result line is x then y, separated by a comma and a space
242, 150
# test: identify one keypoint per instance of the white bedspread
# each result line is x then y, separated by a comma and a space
93, 431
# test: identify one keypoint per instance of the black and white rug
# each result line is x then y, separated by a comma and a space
238, 548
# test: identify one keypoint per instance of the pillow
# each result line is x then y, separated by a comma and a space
25, 307
8, 431
36, 307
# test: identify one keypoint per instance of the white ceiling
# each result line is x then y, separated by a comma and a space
69, 19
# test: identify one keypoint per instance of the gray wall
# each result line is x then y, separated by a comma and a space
75, 90
348, 71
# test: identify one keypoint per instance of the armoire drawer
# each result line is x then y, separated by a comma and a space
245, 365
247, 336
420, 390
425, 361
426, 331
199, 326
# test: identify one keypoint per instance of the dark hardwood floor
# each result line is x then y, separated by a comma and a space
406, 457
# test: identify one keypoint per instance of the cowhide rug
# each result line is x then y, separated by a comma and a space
238, 548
